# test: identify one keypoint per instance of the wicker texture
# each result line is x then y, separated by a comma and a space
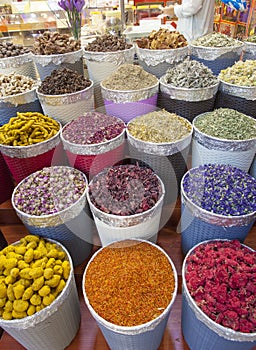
194, 230
158, 70
186, 109
9, 112
45, 71
203, 155
220, 63
27, 68
22, 167
6, 183
91, 165
240, 104
253, 168
130, 110
198, 336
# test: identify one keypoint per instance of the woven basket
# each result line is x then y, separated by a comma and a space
55, 326
127, 105
101, 64
23, 102
67, 107
25, 160
209, 149
201, 333
145, 336
216, 58
22, 65
6, 182
168, 160
93, 158
45, 64
253, 168
198, 225
249, 51
139, 226
157, 62
187, 103
243, 98
72, 227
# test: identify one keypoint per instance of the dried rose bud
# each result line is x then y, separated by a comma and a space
220, 277
93, 127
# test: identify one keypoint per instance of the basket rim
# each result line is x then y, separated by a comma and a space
91, 145
209, 213
40, 94
218, 138
161, 50
48, 216
131, 91
97, 53
215, 324
126, 217
139, 327
57, 54
241, 44
17, 56
33, 90
46, 309
161, 82
238, 86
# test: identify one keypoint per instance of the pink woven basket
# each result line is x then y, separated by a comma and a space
91, 165
6, 182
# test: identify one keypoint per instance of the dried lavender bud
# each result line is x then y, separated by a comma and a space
63, 81
162, 39
107, 43
241, 73
125, 190
226, 123
190, 74
221, 189
49, 190
93, 127
52, 43
8, 49
159, 127
216, 40
129, 77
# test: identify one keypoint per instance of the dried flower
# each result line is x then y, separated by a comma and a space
73, 9
221, 189
220, 276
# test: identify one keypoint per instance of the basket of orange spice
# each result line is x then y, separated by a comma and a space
129, 287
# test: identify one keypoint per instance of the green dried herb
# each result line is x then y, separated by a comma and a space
226, 123
216, 40
159, 127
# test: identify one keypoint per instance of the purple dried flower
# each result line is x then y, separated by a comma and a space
221, 189
93, 127
49, 190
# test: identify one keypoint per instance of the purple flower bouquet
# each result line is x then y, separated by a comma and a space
218, 202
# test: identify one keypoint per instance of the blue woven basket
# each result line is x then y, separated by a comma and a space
199, 337
195, 230
218, 64
67, 235
9, 112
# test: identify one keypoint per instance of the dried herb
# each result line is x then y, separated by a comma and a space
220, 277
129, 283
129, 77
93, 127
226, 123
125, 190
159, 126
216, 40
108, 43
241, 73
190, 74
49, 190
162, 39
221, 189
251, 39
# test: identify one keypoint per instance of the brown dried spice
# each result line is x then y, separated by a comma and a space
129, 283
